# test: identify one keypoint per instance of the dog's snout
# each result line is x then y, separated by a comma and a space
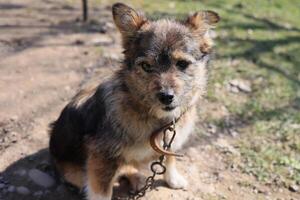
166, 97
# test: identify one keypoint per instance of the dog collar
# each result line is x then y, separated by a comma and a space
155, 143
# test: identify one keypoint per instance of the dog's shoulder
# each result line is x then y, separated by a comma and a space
84, 112
80, 119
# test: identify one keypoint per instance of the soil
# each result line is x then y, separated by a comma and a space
46, 55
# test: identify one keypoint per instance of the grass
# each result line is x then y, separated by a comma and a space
258, 41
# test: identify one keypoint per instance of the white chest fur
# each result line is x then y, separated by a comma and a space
139, 152
144, 152
183, 131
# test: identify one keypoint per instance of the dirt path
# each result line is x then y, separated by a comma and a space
45, 57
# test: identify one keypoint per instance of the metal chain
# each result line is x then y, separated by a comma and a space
157, 167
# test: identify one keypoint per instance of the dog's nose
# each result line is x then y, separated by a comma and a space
165, 97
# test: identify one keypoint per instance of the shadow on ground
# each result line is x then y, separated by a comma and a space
18, 173
41, 23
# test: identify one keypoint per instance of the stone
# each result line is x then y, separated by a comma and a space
240, 85
2, 186
11, 188
233, 133
38, 194
41, 178
294, 188
21, 172
23, 190
232, 88
212, 128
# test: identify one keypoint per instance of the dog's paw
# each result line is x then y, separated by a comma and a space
137, 181
91, 195
176, 180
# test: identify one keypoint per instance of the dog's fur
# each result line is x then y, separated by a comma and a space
105, 130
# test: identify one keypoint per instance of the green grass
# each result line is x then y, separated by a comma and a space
262, 39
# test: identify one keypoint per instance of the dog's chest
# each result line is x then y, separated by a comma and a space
141, 152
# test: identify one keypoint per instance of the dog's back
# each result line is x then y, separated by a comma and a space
80, 118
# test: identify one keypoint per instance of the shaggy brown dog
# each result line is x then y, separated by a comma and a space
108, 127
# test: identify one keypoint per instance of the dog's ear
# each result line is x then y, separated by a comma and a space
202, 21
127, 19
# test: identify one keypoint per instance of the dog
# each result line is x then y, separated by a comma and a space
105, 130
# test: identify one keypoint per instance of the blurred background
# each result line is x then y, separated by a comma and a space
247, 141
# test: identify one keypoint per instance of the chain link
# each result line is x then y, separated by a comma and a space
157, 167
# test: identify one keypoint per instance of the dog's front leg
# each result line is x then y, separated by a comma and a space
174, 179
101, 174
135, 176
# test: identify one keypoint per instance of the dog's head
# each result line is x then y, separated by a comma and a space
165, 60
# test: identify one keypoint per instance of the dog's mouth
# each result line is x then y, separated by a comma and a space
169, 108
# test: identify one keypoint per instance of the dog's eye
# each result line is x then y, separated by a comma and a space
182, 64
146, 67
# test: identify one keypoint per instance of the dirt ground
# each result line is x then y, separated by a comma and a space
46, 55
